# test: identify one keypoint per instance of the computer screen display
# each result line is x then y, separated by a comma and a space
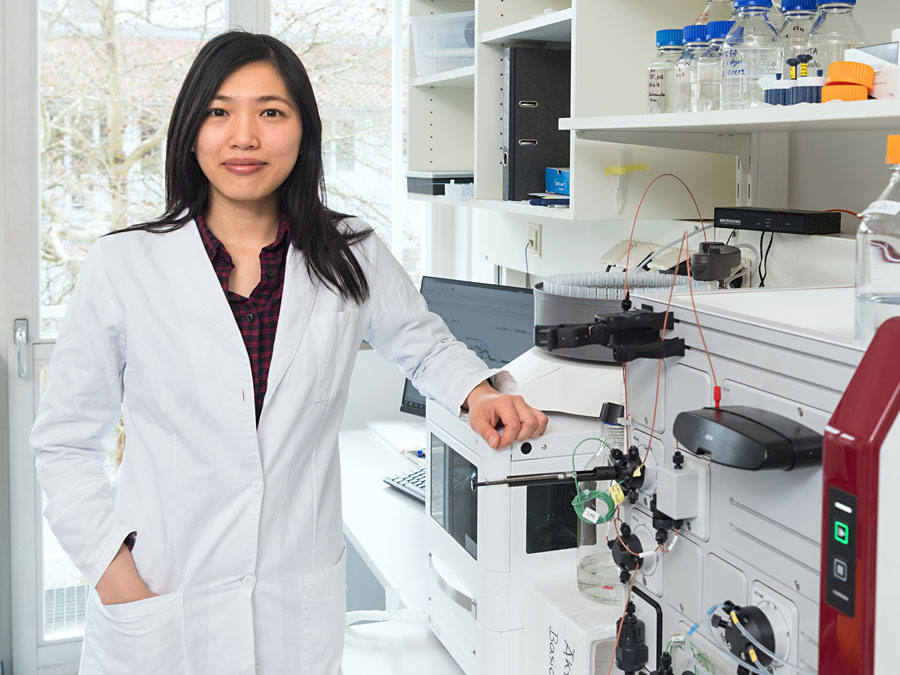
496, 322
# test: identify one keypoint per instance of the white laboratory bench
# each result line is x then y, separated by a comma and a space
387, 529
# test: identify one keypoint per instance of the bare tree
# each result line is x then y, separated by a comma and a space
110, 72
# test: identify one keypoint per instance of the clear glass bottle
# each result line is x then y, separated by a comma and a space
661, 72
878, 254
799, 17
834, 31
597, 573
751, 50
686, 85
776, 15
716, 10
709, 67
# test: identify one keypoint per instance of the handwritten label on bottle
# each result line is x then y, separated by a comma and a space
883, 207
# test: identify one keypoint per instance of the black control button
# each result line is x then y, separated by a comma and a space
526, 448
840, 569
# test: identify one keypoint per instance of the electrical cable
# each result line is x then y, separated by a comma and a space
764, 259
728, 241
717, 391
527, 280
586, 496
852, 213
655, 253
634, 222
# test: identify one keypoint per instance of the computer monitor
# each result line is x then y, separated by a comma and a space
496, 322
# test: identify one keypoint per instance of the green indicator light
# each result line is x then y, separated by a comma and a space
841, 532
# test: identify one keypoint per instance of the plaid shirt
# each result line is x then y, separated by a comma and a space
256, 316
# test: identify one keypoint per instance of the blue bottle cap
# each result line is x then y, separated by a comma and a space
829, 2
717, 30
695, 33
752, 3
794, 5
670, 36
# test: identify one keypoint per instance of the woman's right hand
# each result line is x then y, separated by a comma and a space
121, 582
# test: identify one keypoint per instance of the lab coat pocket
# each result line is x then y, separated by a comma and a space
336, 341
323, 611
145, 636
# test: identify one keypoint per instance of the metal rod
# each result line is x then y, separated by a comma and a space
599, 473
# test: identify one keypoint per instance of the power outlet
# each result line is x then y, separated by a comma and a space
534, 239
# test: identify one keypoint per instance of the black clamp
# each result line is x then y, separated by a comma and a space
633, 334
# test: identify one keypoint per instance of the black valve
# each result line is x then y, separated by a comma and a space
754, 622
662, 523
665, 665
622, 556
631, 650
678, 459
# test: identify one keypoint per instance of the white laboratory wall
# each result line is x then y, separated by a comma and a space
375, 390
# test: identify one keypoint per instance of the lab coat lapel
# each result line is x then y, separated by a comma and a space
297, 301
190, 260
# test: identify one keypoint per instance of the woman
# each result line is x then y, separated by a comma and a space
230, 326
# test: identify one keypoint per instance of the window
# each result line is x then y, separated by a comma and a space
110, 71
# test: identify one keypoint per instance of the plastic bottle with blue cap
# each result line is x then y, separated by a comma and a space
661, 72
686, 84
834, 31
750, 52
709, 67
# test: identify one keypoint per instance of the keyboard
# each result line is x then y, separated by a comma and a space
411, 483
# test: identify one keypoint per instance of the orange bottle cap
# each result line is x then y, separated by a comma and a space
893, 149
851, 72
844, 92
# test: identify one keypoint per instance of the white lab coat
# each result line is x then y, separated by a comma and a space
238, 527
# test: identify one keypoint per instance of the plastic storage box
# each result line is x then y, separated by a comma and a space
443, 42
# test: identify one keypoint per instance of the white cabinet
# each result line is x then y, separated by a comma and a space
456, 122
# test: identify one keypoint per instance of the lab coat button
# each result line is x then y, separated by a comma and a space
257, 486
247, 580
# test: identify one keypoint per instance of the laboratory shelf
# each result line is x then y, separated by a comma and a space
523, 209
553, 27
722, 130
459, 78
515, 208
439, 199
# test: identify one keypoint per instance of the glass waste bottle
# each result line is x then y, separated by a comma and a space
686, 85
878, 254
597, 574
799, 17
709, 67
716, 10
751, 51
834, 31
661, 72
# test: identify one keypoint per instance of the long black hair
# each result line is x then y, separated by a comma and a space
314, 227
